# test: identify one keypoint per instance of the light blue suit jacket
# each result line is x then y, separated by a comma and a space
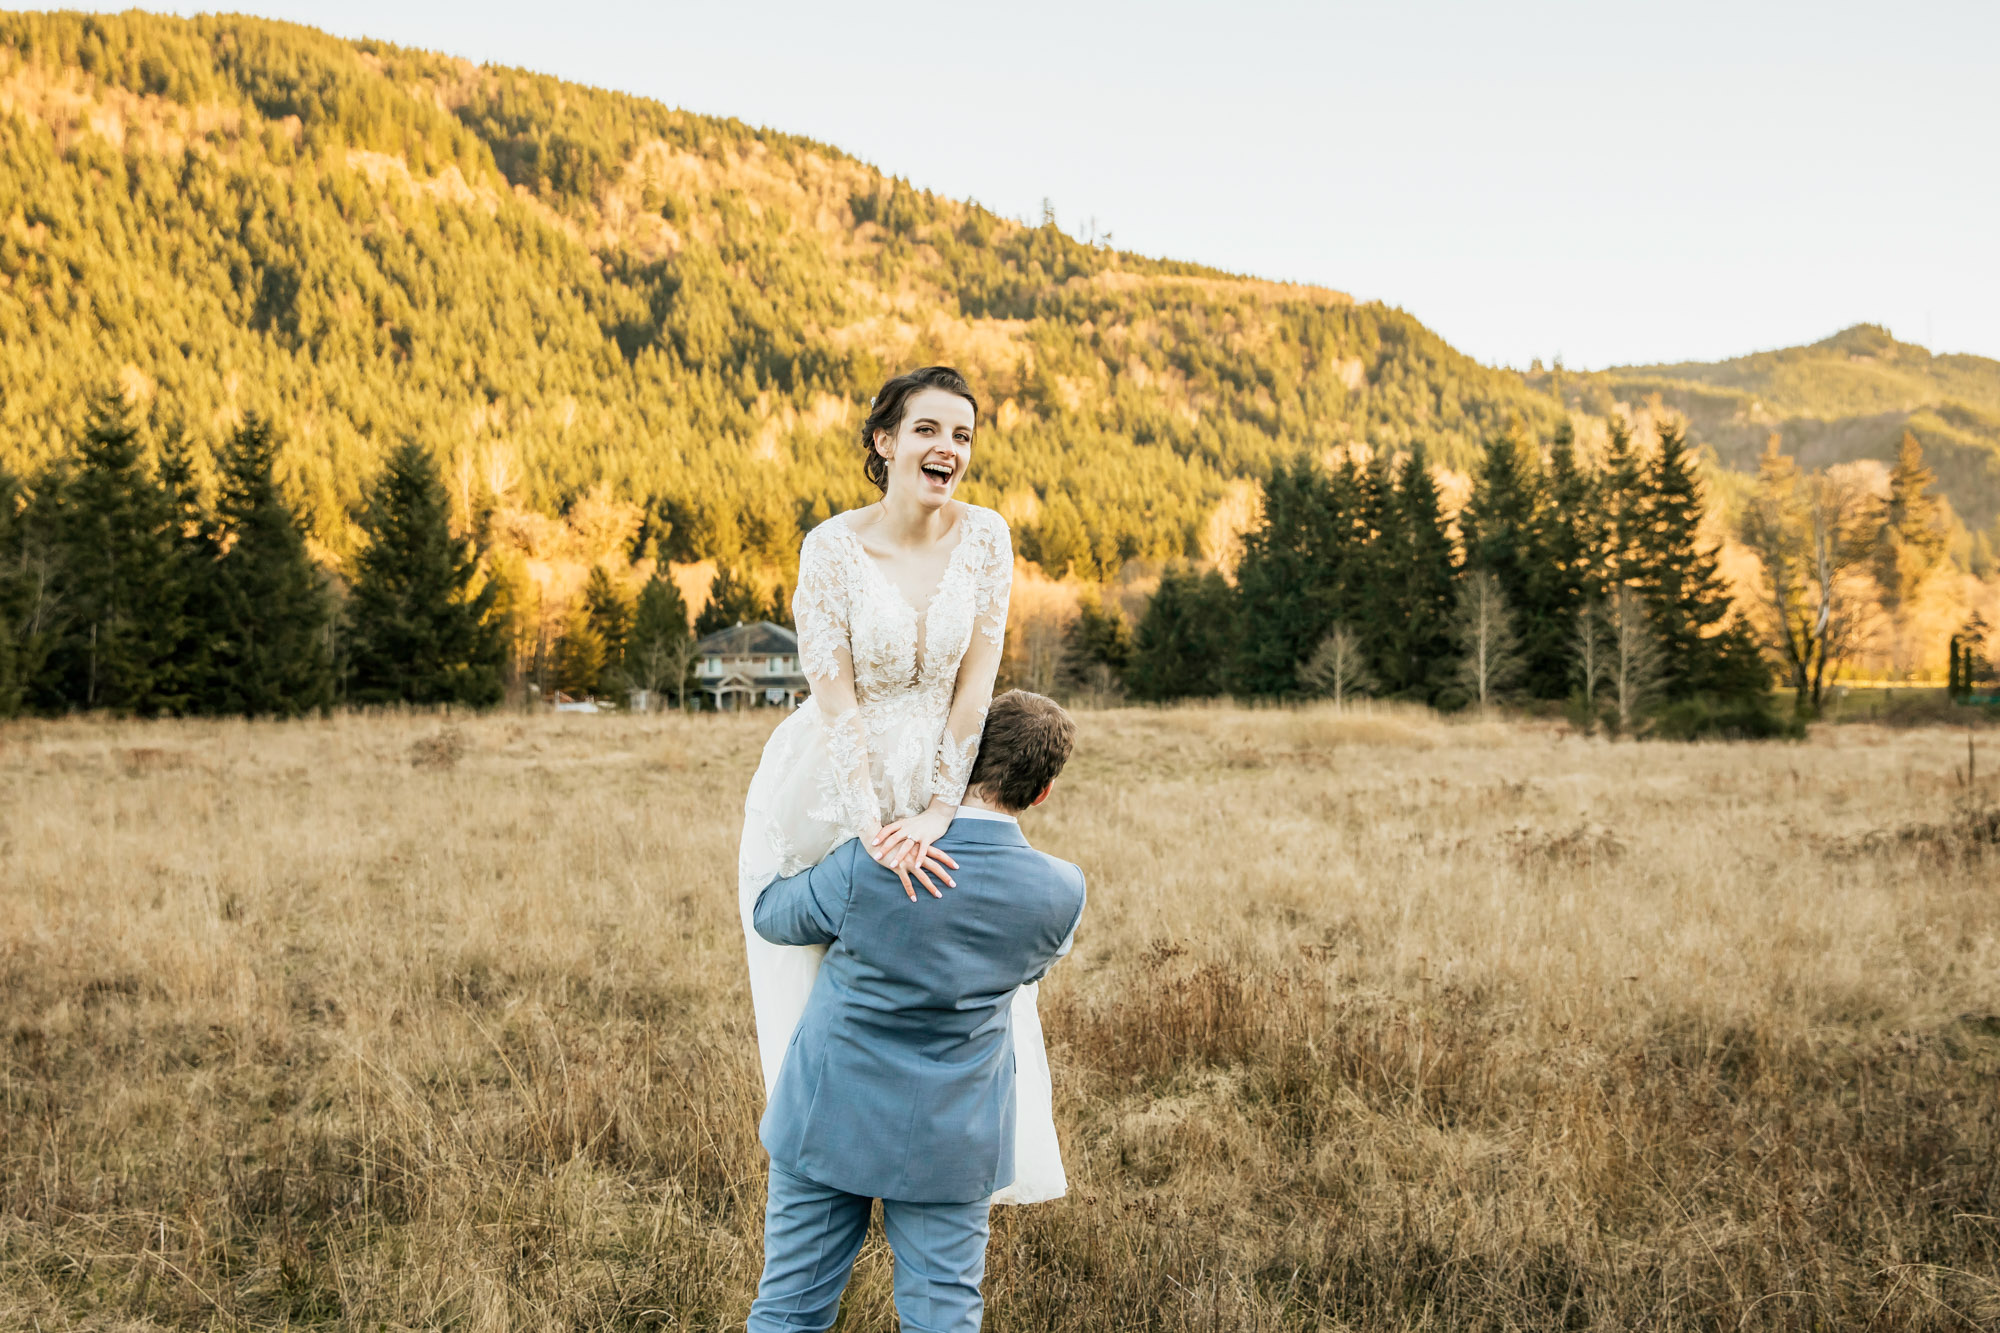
899, 1082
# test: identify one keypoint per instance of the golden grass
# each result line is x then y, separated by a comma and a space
1375, 1022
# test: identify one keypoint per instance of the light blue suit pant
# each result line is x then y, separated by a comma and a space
812, 1235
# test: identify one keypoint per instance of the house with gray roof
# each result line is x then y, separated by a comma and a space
750, 666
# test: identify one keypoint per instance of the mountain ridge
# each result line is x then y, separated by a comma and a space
563, 291
577, 297
1844, 398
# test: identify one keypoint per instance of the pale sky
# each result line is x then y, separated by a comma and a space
1609, 182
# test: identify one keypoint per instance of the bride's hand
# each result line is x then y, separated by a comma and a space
905, 847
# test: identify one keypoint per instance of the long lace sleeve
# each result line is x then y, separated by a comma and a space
820, 610
972, 693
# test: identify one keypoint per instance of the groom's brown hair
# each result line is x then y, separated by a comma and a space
1027, 740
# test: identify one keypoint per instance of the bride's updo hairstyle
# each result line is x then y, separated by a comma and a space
885, 412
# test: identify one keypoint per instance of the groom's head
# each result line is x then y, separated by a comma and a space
1026, 742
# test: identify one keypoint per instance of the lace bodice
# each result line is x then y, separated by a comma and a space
902, 692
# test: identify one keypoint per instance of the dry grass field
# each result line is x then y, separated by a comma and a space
1375, 1022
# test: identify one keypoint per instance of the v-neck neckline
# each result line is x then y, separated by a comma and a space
922, 614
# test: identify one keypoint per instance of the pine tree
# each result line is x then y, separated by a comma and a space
1704, 650
420, 633
1567, 574
1418, 572
1061, 541
15, 599
268, 653
779, 610
30, 596
196, 544
1377, 596
731, 601
120, 577
1097, 647
1913, 543
1498, 527
1180, 648
1301, 571
1276, 579
580, 654
659, 654
1621, 508
610, 616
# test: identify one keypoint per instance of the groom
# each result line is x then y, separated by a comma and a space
899, 1082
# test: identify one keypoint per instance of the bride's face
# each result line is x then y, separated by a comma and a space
931, 449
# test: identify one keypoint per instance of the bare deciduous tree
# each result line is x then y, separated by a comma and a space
1634, 662
661, 662
1338, 667
1591, 649
1491, 655
1815, 534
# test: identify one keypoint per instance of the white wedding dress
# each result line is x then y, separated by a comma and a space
899, 697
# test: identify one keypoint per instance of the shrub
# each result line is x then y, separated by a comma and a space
1741, 719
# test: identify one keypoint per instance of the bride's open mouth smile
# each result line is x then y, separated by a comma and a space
939, 474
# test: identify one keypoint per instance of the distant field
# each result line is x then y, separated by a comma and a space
1375, 1022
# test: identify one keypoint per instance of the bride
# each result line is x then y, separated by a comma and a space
901, 607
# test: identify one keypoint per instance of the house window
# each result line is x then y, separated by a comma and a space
710, 667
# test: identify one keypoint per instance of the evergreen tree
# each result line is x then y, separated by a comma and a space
1703, 648
610, 615
16, 599
731, 601
779, 610
1498, 526
1351, 530
196, 544
1180, 648
420, 632
1378, 593
1621, 509
120, 577
659, 655
1418, 574
580, 654
1567, 574
1097, 647
1912, 545
1300, 572
268, 650
1061, 541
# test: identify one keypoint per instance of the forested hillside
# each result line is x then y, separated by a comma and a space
570, 297
1848, 397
